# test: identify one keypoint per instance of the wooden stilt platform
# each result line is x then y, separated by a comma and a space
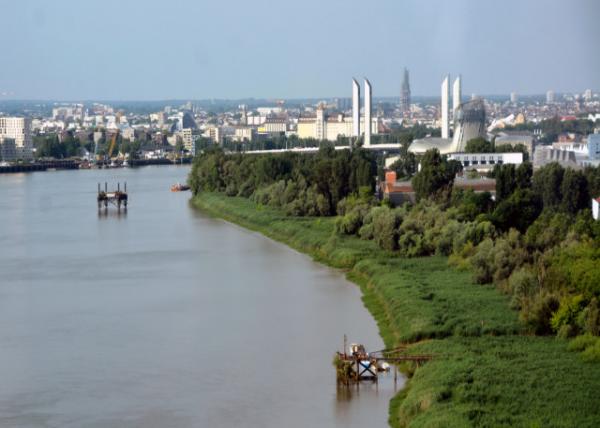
118, 198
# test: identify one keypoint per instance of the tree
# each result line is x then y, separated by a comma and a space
547, 185
435, 175
505, 181
523, 175
479, 145
518, 211
574, 189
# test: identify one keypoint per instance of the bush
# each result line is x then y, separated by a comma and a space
482, 262
522, 284
581, 343
592, 353
537, 312
385, 223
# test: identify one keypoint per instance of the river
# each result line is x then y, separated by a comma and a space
162, 317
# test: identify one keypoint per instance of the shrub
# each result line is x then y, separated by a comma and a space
482, 262
385, 223
592, 353
581, 343
537, 312
522, 283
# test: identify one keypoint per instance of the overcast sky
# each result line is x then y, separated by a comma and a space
196, 49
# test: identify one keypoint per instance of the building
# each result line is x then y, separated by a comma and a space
469, 123
593, 146
515, 140
549, 97
368, 101
273, 126
596, 208
324, 126
544, 155
8, 150
18, 129
243, 133
187, 138
587, 95
486, 161
128, 134
456, 94
400, 192
513, 97
355, 108
214, 134
445, 118
405, 94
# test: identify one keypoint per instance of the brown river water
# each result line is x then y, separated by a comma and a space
163, 317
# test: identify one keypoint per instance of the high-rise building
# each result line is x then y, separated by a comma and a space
367, 121
405, 94
549, 97
355, 108
587, 95
513, 97
444, 108
456, 94
18, 129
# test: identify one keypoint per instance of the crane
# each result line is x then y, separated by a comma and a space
113, 142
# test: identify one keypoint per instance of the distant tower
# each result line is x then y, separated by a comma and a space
355, 108
444, 109
513, 97
405, 94
456, 94
368, 101
549, 97
320, 122
244, 117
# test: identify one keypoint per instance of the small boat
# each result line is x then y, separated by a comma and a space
179, 187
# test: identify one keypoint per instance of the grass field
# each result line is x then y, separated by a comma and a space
485, 373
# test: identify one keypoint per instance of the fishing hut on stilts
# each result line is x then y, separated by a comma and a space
355, 364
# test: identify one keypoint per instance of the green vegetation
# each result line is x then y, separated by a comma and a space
492, 287
484, 374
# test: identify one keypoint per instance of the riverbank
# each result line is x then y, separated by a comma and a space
486, 373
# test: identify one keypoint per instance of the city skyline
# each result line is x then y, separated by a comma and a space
100, 55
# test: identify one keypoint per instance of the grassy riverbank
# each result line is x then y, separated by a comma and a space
486, 373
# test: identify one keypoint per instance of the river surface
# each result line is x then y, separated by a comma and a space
162, 317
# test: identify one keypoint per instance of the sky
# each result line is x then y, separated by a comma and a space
231, 49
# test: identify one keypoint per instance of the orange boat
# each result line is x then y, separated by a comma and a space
179, 187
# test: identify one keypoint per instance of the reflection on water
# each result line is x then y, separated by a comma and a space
107, 212
157, 316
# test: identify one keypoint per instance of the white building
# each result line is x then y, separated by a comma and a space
355, 108
368, 101
444, 110
456, 94
486, 161
243, 133
19, 129
549, 97
187, 139
596, 208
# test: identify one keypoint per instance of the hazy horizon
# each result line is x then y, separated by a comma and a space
135, 51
